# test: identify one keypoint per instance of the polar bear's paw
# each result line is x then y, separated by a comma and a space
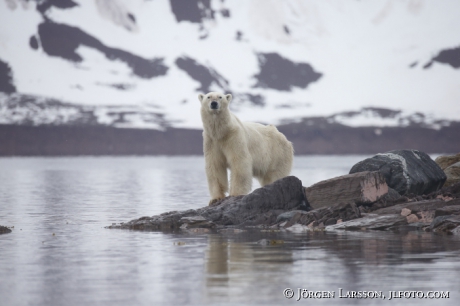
215, 202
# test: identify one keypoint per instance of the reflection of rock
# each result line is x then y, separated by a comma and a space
406, 171
362, 187
4, 230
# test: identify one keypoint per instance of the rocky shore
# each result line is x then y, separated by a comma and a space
399, 190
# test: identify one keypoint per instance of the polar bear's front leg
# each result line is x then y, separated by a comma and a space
216, 174
240, 174
217, 180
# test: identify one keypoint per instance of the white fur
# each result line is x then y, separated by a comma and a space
248, 149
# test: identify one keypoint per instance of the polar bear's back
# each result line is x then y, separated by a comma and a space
269, 148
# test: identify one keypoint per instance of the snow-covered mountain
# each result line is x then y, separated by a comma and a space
142, 63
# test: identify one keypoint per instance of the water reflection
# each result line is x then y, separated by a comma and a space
237, 266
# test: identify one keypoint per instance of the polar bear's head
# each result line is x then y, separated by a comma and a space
214, 101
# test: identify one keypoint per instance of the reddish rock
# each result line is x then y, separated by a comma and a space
405, 212
412, 218
360, 188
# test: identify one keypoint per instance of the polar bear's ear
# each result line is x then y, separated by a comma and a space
228, 97
200, 97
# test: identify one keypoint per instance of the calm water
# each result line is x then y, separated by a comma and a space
60, 253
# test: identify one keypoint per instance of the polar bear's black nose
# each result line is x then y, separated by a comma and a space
214, 105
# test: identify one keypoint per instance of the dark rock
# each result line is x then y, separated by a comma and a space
416, 226
390, 199
371, 222
284, 194
455, 231
330, 221
6, 78
447, 210
452, 191
196, 222
415, 207
192, 10
445, 224
361, 188
341, 211
406, 171
288, 215
62, 40
262, 206
280, 73
391, 196
204, 75
447, 56
447, 160
453, 174
4, 230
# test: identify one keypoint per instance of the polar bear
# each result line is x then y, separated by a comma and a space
247, 149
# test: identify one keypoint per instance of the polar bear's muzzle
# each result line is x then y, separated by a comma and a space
214, 105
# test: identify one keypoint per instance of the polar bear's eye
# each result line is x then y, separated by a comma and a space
220, 97
209, 97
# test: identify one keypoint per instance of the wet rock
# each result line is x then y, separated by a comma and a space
371, 222
4, 230
262, 206
448, 210
288, 215
447, 160
196, 222
392, 195
406, 171
361, 188
445, 224
453, 174
314, 218
293, 220
416, 207
426, 217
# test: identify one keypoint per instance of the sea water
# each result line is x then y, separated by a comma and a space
60, 252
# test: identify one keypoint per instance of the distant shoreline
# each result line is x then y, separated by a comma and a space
21, 140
